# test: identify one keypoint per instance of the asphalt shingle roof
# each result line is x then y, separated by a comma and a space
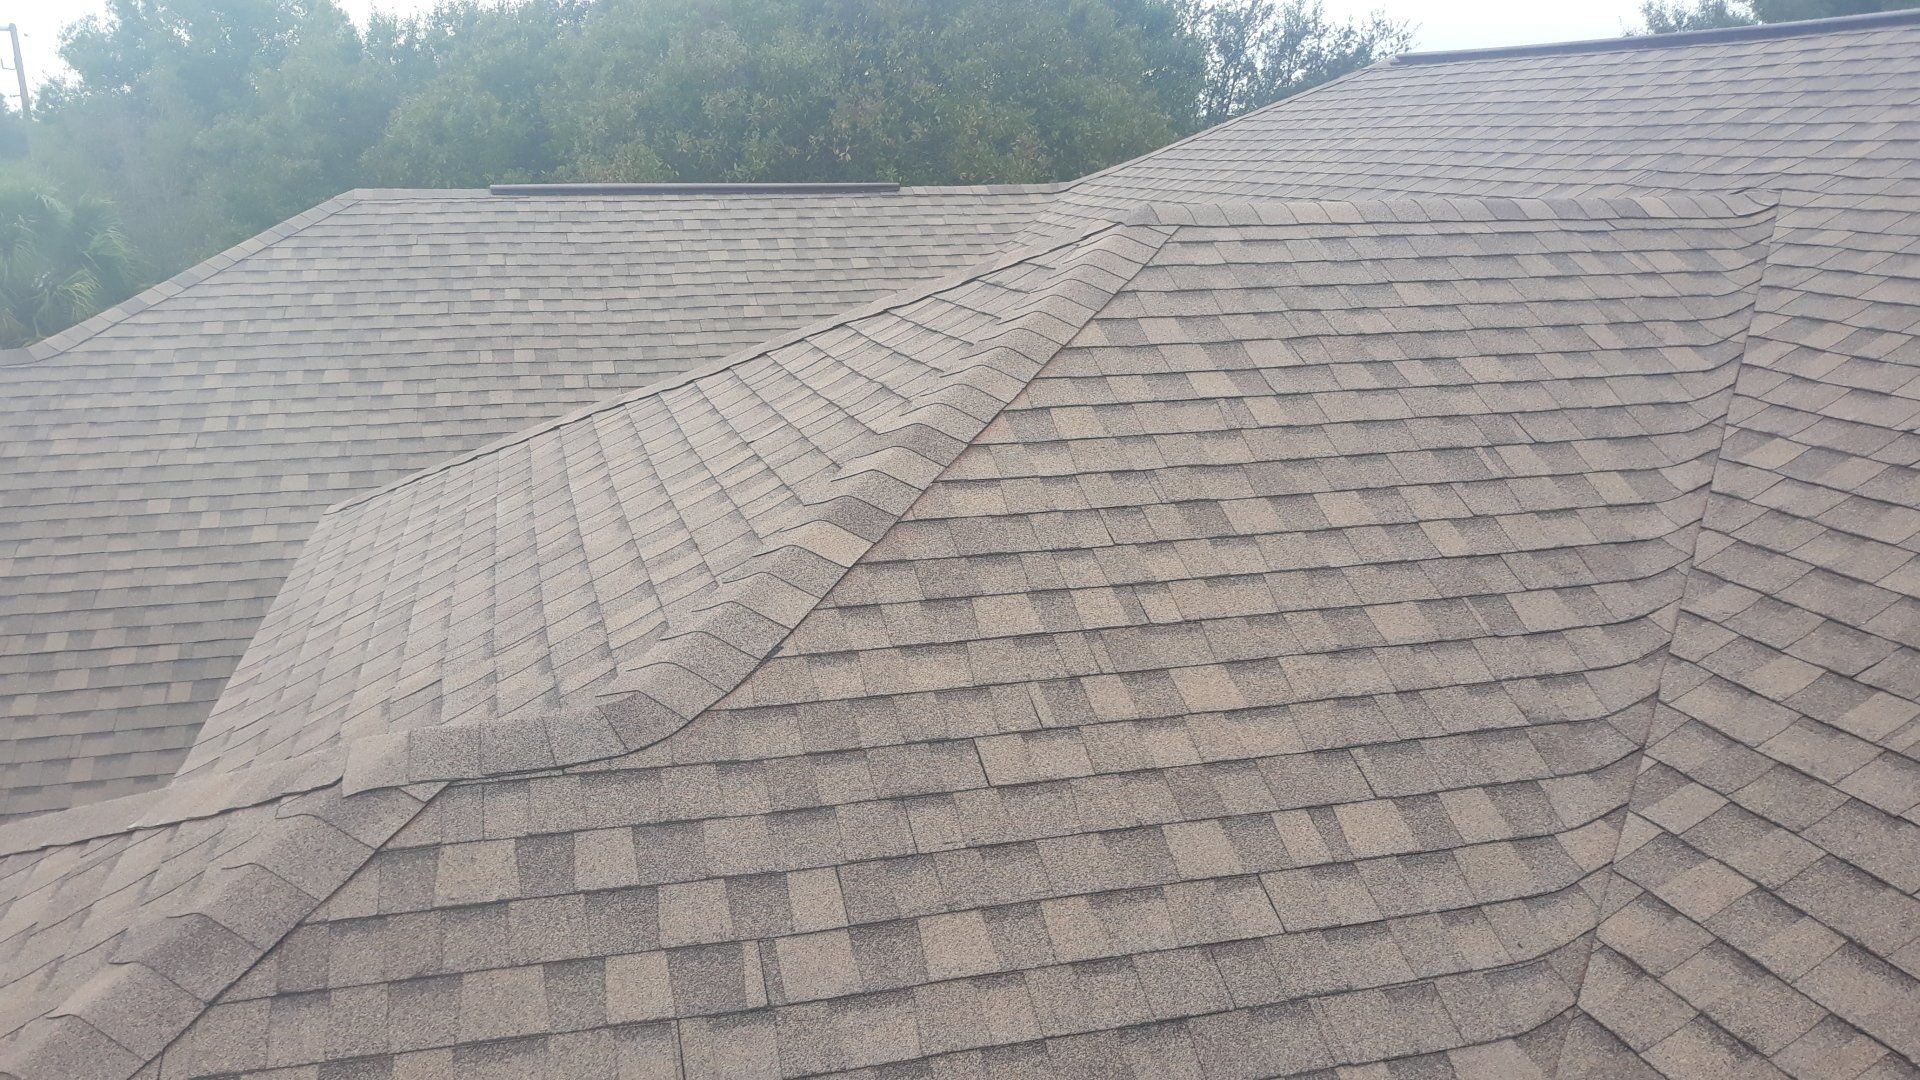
161, 466
1830, 112
1463, 626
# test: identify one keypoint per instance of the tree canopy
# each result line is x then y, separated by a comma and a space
205, 121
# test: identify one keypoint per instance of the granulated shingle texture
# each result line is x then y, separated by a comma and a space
1763, 915
838, 429
114, 945
161, 466
1270, 651
1834, 112
1468, 636
685, 528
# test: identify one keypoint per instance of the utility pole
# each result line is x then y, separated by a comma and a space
20, 72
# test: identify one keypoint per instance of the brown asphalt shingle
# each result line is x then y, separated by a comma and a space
1266, 634
1831, 112
161, 466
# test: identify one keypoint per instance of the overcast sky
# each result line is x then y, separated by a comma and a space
1443, 24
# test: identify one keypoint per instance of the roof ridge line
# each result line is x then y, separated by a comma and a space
477, 194
180, 800
718, 188
54, 345
1284, 210
1838, 24
878, 306
684, 674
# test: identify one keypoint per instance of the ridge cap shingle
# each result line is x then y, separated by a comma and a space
176, 955
684, 673
653, 389
1649, 202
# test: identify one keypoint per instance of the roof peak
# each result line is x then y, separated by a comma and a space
1681, 39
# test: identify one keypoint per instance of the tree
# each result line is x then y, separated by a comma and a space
1664, 17
471, 111
298, 138
1259, 51
205, 121
59, 263
14, 130
964, 91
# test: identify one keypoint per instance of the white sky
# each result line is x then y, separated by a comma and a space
1443, 24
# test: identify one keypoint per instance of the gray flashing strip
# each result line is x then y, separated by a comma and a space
850, 188
1839, 24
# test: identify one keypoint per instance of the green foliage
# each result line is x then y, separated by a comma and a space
958, 92
1259, 51
300, 134
1667, 16
59, 262
13, 133
472, 111
206, 121
1663, 17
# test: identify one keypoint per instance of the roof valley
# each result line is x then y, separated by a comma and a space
1669, 622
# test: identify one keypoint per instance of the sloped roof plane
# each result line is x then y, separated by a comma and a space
1831, 112
682, 529
1241, 628
162, 464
